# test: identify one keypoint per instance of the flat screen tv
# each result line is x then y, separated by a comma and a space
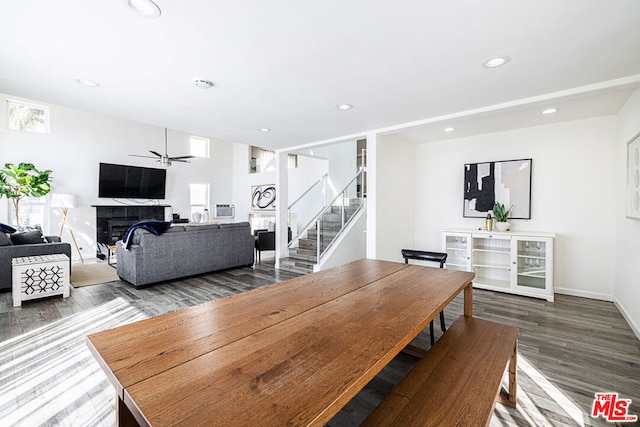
131, 182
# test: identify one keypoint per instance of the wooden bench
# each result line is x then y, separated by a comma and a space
458, 381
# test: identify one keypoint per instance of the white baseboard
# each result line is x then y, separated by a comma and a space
583, 294
634, 327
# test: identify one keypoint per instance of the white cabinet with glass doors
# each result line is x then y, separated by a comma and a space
519, 263
458, 249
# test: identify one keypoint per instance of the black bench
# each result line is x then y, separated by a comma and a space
458, 381
439, 257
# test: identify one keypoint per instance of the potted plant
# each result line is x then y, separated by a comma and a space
23, 180
501, 214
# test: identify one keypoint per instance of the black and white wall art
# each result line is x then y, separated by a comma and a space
507, 182
263, 197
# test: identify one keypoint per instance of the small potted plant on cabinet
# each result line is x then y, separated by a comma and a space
501, 214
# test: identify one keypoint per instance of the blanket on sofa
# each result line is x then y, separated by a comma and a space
153, 226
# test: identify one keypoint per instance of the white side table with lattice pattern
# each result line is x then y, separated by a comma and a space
39, 276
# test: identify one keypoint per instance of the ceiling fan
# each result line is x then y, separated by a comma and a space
164, 159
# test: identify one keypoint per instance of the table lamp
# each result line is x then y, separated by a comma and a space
66, 201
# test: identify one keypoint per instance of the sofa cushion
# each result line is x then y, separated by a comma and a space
5, 240
7, 228
233, 225
27, 238
201, 227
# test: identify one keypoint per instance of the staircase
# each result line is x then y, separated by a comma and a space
329, 226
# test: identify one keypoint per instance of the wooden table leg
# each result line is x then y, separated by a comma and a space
468, 300
513, 383
124, 417
509, 397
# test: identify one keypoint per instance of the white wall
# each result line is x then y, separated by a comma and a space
342, 163
627, 276
574, 172
395, 197
80, 140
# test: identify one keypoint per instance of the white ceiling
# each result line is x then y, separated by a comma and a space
285, 65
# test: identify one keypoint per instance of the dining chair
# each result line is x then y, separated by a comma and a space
439, 257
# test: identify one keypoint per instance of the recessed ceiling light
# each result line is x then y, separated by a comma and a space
449, 129
498, 61
87, 83
549, 111
203, 84
345, 107
145, 8
264, 130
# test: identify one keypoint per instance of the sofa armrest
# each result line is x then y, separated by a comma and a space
129, 262
7, 253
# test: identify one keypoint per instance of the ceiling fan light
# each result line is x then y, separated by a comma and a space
203, 84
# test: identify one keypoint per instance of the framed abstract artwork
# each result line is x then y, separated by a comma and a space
633, 176
507, 182
263, 197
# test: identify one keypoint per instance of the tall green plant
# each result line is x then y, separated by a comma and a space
500, 212
23, 180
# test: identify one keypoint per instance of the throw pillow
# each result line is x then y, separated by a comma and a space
7, 228
5, 240
271, 226
27, 238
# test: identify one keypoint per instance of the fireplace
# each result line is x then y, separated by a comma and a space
112, 221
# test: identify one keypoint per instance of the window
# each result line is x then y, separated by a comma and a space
263, 160
28, 117
199, 197
32, 212
199, 146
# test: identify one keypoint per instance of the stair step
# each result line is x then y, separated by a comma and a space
337, 209
296, 265
312, 244
304, 254
327, 234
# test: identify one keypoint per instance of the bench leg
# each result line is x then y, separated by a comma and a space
509, 398
468, 300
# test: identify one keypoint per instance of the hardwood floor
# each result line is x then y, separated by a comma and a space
568, 350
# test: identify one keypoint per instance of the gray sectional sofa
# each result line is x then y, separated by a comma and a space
184, 250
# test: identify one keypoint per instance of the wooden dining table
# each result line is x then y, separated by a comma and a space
291, 353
